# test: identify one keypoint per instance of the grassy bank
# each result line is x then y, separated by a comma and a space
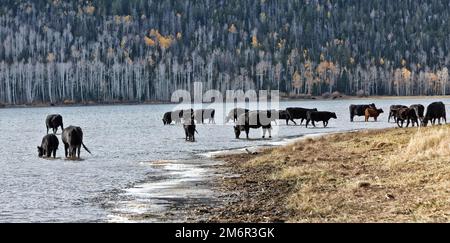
390, 175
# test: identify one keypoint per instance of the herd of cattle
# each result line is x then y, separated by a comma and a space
414, 114
72, 138
246, 119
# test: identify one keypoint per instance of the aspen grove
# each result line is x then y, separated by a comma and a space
54, 51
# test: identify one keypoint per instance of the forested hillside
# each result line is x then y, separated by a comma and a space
139, 50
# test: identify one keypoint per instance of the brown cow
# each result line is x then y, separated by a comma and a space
372, 112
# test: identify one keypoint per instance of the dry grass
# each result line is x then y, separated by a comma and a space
392, 175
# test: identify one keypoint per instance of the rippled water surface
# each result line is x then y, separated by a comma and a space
126, 142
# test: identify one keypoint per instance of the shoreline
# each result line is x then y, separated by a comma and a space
283, 98
354, 176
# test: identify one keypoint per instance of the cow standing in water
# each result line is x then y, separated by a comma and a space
359, 110
371, 112
189, 125
283, 115
72, 138
253, 120
49, 145
299, 113
316, 116
54, 121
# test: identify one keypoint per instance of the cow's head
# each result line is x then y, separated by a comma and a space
333, 115
237, 131
40, 151
425, 121
380, 111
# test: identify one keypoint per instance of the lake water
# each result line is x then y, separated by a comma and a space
137, 164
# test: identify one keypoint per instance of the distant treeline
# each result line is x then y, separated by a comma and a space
139, 50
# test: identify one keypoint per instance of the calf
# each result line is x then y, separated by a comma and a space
393, 112
371, 112
407, 114
359, 110
299, 113
72, 138
435, 110
54, 121
252, 120
315, 116
48, 146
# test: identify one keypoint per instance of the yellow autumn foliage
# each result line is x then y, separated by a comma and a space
89, 10
326, 66
149, 42
431, 77
164, 41
126, 19
296, 80
406, 74
255, 42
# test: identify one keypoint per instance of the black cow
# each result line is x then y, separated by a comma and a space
171, 116
435, 110
72, 138
420, 109
48, 146
284, 115
235, 113
359, 110
299, 113
253, 120
167, 118
393, 112
54, 121
202, 114
315, 116
408, 115
189, 131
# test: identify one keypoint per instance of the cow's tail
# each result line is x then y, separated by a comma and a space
84, 146
197, 131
